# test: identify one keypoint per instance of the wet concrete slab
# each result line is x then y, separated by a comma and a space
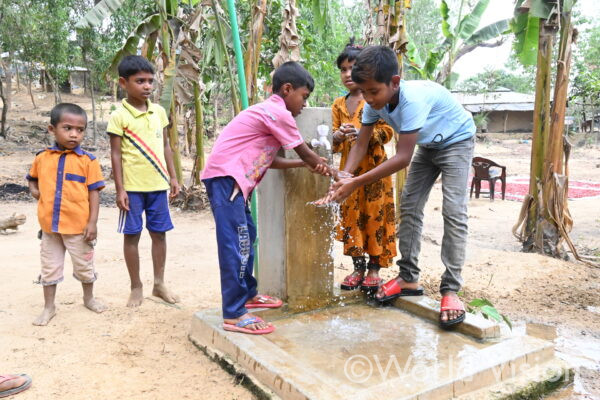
360, 352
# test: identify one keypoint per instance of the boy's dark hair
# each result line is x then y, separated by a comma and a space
294, 73
375, 62
65, 108
350, 53
131, 65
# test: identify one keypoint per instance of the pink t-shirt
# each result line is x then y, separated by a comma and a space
249, 143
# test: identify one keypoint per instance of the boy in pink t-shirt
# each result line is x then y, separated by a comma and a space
243, 152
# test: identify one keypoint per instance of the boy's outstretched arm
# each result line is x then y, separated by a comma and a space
117, 168
170, 165
313, 160
34, 189
285, 163
404, 150
90, 231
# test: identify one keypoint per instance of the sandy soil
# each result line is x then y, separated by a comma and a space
144, 353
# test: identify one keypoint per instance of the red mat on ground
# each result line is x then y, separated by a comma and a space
518, 186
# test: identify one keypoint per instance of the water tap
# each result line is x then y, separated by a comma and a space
321, 141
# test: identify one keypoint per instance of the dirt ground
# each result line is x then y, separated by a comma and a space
145, 354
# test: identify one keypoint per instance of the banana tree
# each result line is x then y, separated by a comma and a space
545, 222
171, 28
258, 10
459, 40
289, 41
390, 30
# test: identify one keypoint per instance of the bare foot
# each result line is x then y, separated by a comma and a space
136, 297
256, 326
403, 284
160, 290
95, 305
45, 316
450, 315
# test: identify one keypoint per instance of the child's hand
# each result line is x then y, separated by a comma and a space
339, 136
175, 188
341, 189
90, 232
337, 175
321, 169
349, 131
122, 200
35, 193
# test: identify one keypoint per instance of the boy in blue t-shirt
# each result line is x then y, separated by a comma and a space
423, 113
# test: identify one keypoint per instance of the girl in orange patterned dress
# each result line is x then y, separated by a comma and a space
367, 224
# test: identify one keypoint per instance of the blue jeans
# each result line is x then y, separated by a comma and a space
454, 163
236, 234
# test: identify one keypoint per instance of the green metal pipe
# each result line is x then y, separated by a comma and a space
239, 59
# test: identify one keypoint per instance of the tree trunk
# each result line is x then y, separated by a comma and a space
199, 162
174, 139
18, 77
215, 114
252, 55
234, 93
29, 88
8, 89
530, 211
557, 221
4, 111
93, 96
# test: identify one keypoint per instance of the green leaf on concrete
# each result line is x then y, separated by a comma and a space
491, 312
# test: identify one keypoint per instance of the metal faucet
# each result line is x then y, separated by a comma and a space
321, 141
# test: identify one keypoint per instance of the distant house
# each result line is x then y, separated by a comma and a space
506, 111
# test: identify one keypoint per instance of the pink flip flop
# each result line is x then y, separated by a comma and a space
240, 327
18, 389
262, 302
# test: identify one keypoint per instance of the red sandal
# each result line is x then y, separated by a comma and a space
392, 290
351, 282
452, 303
371, 282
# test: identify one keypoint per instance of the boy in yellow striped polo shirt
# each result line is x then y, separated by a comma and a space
143, 170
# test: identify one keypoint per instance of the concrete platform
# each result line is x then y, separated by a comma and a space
360, 352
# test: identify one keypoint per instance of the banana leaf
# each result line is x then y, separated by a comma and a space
470, 22
172, 7
144, 30
445, 11
320, 11
166, 97
526, 30
541, 8
491, 31
98, 13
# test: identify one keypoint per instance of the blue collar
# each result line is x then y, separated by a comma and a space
77, 150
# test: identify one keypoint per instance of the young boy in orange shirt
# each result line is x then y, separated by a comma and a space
66, 181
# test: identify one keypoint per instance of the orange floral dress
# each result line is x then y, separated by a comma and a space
367, 225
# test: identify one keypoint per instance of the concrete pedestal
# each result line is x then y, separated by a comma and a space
295, 239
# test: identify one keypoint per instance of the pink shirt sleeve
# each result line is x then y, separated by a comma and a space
283, 127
